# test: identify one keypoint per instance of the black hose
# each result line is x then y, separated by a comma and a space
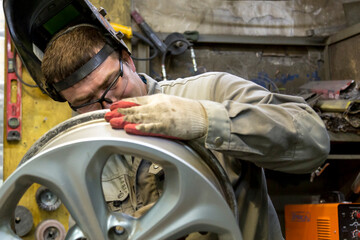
163, 57
147, 41
18, 76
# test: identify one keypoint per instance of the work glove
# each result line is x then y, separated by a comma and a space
159, 115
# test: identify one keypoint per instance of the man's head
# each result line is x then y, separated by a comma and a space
41, 20
71, 50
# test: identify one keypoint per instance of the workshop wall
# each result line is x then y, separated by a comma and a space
344, 58
285, 18
277, 67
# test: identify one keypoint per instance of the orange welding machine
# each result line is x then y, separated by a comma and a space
322, 221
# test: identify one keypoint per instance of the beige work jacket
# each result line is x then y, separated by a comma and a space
250, 128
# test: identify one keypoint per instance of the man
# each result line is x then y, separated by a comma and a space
247, 127
235, 118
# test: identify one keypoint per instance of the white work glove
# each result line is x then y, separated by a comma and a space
159, 115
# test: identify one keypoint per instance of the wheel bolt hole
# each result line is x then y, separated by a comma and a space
119, 230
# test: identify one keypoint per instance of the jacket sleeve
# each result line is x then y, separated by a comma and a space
274, 131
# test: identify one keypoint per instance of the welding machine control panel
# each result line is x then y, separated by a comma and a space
349, 221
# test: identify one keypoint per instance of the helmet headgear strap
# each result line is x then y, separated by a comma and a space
84, 70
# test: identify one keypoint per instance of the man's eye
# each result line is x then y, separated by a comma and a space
92, 107
83, 102
113, 86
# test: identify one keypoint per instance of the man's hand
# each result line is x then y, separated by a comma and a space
159, 115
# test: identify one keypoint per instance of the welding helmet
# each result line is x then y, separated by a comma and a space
32, 24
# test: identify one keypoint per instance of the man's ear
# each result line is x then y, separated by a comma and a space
126, 58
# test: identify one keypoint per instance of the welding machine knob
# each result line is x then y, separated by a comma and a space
355, 214
356, 234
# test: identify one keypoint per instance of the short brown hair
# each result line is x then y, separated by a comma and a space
70, 51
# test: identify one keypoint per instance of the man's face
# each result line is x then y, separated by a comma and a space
95, 84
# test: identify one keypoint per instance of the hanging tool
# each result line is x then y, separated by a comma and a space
174, 44
149, 32
13, 93
318, 171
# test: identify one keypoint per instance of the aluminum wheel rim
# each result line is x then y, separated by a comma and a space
193, 199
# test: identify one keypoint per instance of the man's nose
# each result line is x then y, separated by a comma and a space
106, 104
106, 100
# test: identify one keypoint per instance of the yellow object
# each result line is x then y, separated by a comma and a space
118, 11
325, 221
39, 114
340, 105
127, 31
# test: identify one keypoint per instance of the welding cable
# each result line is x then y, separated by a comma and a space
163, 57
148, 42
18, 76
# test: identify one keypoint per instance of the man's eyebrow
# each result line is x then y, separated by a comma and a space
108, 79
89, 96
